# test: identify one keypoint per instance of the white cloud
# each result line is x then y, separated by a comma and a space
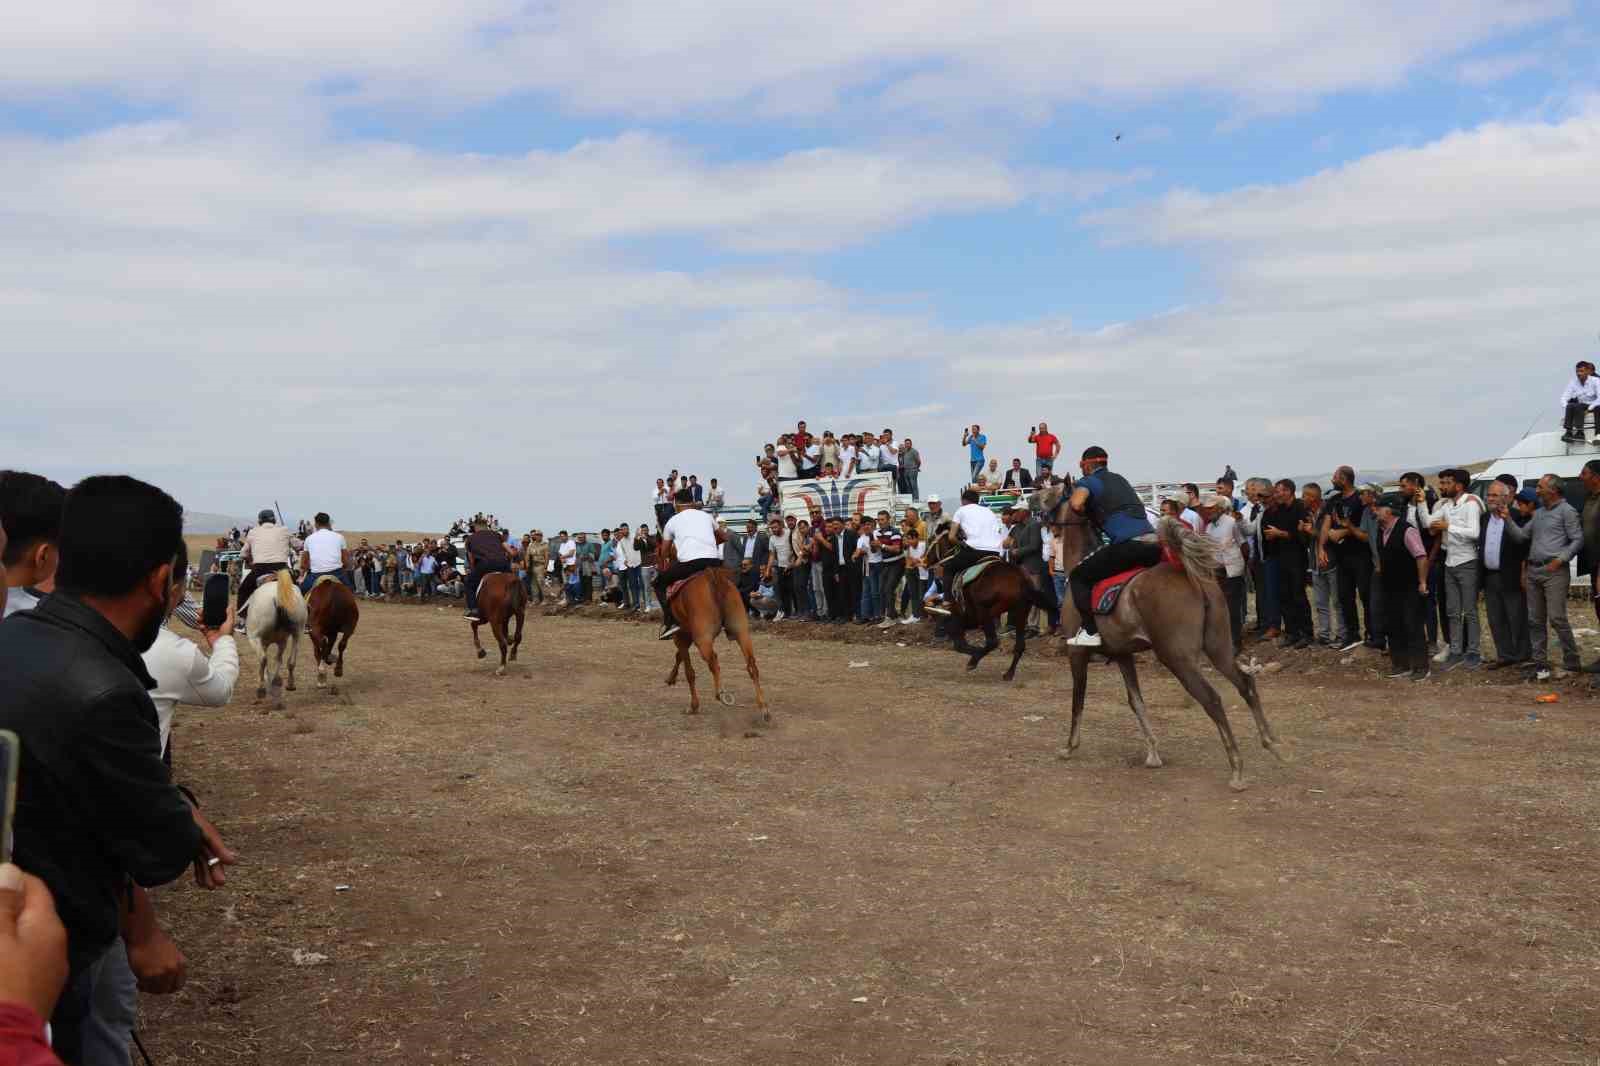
642, 58
635, 185
1415, 305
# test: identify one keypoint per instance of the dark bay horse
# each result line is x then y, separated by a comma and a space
500, 598
705, 605
332, 614
1180, 614
1002, 589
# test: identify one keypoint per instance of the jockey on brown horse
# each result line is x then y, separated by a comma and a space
486, 554
696, 545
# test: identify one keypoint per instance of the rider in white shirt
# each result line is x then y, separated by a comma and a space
980, 532
696, 545
325, 553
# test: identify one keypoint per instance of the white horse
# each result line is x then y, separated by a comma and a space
277, 614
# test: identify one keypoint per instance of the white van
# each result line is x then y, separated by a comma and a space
1538, 454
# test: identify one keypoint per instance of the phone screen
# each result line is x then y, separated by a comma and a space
10, 750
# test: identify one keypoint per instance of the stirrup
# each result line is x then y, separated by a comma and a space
1084, 639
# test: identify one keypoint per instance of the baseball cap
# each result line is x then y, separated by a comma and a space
1370, 487
934, 498
1528, 496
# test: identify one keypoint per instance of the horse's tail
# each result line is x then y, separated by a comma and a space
1196, 553
285, 590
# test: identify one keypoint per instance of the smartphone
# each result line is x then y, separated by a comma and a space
214, 610
10, 751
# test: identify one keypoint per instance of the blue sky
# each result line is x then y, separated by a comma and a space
531, 257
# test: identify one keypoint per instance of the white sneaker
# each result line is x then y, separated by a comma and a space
778, 617
910, 620
887, 623
1084, 639
1443, 655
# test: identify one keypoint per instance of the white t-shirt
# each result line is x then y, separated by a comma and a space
325, 548
868, 459
694, 533
786, 467
888, 455
846, 455
915, 555
984, 530
568, 553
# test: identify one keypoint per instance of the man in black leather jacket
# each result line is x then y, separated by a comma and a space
97, 813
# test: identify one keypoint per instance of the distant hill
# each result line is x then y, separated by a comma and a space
204, 522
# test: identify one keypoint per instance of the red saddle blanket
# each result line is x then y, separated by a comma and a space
1106, 593
677, 586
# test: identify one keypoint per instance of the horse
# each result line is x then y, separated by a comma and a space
1002, 589
500, 596
1179, 613
333, 614
277, 614
706, 604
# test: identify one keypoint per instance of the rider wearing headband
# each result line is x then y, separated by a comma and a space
1117, 512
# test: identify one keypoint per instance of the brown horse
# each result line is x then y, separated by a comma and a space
332, 615
1180, 614
707, 604
500, 597
1002, 589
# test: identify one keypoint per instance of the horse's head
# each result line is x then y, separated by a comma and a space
1050, 501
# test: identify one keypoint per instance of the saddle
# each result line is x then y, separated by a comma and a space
677, 586
969, 575
1108, 591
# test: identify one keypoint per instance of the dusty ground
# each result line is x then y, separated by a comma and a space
560, 867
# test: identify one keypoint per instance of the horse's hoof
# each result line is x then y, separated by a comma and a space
261, 693
1152, 761
1238, 784
482, 654
973, 665
725, 698
1010, 675
278, 705
290, 686
766, 717
338, 671
334, 690
1064, 754
693, 710
1282, 752
751, 734
501, 672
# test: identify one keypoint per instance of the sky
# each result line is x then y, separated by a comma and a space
410, 260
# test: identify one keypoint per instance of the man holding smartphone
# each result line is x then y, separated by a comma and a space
98, 817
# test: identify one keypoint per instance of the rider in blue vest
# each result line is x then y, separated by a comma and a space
1117, 512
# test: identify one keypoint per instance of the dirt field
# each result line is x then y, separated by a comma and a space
560, 867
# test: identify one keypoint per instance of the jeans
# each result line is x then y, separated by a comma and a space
915, 588
977, 468
821, 598
97, 1012
1507, 604
871, 608
647, 577
1461, 594
800, 589
1577, 414
908, 479
1324, 589
425, 584
1547, 603
311, 579
633, 587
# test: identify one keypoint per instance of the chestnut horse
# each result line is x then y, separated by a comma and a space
500, 596
1180, 614
1002, 589
706, 604
332, 613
